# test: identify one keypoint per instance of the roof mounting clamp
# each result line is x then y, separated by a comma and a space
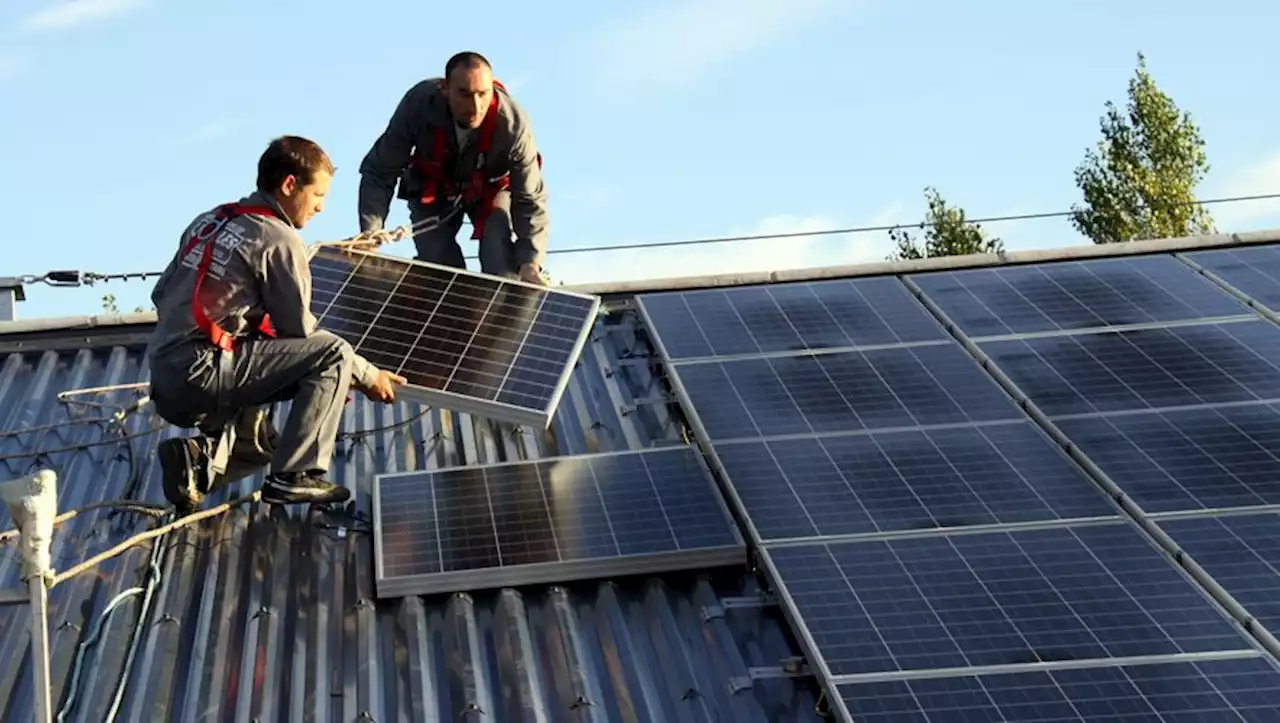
790, 668
748, 601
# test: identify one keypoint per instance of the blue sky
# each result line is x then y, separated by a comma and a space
660, 120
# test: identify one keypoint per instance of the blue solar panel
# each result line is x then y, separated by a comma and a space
893, 481
997, 598
845, 391
552, 520
1242, 553
1075, 295
1215, 691
1109, 372
788, 317
1192, 459
1254, 270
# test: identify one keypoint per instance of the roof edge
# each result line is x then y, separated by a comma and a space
76, 323
688, 283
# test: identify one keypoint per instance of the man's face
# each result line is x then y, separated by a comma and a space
301, 203
469, 90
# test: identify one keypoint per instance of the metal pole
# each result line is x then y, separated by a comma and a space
40, 649
33, 504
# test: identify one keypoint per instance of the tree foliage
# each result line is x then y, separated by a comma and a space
1140, 182
110, 306
946, 233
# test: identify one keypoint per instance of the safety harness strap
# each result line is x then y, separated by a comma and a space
479, 189
208, 234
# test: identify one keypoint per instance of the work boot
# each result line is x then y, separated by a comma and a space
184, 469
283, 488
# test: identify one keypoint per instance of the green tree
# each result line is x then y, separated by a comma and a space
1140, 182
946, 233
109, 304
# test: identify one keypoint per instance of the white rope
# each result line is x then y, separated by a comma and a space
370, 240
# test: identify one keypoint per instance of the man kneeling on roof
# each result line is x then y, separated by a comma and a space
457, 143
235, 334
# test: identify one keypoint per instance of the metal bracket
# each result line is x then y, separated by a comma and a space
749, 601
791, 669
715, 612
11, 292
659, 400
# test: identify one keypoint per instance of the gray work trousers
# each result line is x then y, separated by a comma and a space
199, 386
439, 245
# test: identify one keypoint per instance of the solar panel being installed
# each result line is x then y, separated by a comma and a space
549, 521
865, 484
1075, 295
1187, 459
464, 341
997, 598
788, 318
1145, 369
1234, 689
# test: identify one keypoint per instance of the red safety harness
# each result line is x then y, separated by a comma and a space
208, 233
437, 182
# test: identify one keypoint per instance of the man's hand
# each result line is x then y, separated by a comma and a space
370, 240
384, 387
532, 274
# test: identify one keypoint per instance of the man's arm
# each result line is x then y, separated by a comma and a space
529, 218
383, 164
286, 296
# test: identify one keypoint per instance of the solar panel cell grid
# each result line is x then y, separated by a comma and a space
898, 481
997, 599
486, 523
1241, 553
1243, 689
1191, 459
1254, 270
1144, 369
788, 317
549, 340
504, 345
1076, 295
902, 387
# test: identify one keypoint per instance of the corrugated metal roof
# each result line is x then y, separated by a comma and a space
265, 614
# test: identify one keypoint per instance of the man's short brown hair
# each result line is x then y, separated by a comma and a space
465, 59
291, 156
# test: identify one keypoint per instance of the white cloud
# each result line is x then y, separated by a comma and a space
670, 44
793, 252
72, 13
1259, 178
